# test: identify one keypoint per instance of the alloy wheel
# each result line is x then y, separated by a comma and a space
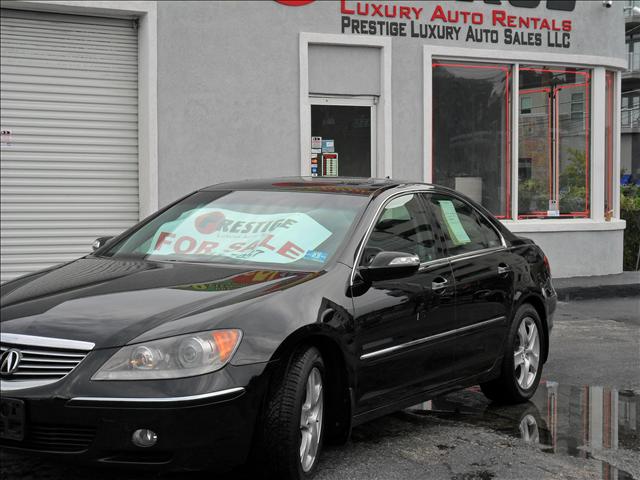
526, 356
311, 420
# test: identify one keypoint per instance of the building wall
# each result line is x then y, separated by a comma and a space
229, 96
228, 84
567, 251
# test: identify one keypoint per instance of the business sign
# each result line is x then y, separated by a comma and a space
453, 21
274, 238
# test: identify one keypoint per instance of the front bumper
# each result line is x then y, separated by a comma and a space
200, 431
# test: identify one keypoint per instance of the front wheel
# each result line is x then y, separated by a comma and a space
521, 366
294, 417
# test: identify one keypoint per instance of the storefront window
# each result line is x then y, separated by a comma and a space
471, 128
609, 177
553, 160
341, 141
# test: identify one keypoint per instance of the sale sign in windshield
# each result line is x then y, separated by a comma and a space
274, 238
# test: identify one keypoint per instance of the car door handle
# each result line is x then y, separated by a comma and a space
439, 283
503, 269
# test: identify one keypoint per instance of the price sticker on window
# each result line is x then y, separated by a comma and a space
452, 221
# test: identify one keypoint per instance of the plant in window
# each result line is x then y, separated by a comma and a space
573, 191
531, 195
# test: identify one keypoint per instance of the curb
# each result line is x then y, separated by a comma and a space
600, 291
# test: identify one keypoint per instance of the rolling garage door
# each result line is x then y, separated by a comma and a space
69, 159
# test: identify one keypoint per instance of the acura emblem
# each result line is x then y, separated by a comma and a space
10, 361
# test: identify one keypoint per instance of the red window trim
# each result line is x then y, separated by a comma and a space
586, 213
547, 90
608, 188
507, 215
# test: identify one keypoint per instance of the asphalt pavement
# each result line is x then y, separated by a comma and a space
583, 423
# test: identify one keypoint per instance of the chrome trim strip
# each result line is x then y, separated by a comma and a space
10, 386
45, 342
159, 399
419, 341
475, 253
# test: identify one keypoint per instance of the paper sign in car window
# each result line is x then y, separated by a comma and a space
273, 238
452, 221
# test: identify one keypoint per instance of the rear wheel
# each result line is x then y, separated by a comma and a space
521, 366
294, 418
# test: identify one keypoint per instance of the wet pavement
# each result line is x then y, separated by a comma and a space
588, 422
583, 422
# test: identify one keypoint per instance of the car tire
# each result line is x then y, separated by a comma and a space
522, 364
294, 417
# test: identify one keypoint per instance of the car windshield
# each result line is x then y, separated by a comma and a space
293, 229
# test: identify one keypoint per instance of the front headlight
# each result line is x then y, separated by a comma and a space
174, 357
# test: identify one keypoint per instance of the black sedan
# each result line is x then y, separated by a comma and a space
251, 322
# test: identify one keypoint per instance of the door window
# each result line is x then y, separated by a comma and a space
403, 226
341, 140
464, 228
471, 131
554, 142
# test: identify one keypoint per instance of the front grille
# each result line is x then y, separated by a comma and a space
41, 359
55, 438
43, 363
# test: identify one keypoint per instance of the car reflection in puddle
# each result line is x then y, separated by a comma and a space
582, 421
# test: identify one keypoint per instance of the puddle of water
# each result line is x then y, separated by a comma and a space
559, 419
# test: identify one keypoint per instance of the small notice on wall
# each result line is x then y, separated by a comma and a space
316, 143
553, 209
330, 164
5, 138
314, 164
328, 146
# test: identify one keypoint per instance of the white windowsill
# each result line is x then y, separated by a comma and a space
563, 225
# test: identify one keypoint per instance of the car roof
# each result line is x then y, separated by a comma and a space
344, 185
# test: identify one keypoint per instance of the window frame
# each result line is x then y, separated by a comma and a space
597, 66
384, 145
366, 101
378, 214
508, 160
447, 258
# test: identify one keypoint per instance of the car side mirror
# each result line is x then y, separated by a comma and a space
100, 242
390, 266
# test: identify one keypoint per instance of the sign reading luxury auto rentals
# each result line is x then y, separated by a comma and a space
520, 26
450, 22
276, 238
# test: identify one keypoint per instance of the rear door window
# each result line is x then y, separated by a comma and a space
464, 229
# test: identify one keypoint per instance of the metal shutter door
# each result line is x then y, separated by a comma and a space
69, 170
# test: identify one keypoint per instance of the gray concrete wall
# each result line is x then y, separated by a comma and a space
228, 83
575, 254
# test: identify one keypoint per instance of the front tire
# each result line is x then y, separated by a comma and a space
522, 365
294, 417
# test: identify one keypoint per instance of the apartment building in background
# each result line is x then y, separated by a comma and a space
630, 106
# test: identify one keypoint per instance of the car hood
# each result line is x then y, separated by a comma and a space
110, 302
